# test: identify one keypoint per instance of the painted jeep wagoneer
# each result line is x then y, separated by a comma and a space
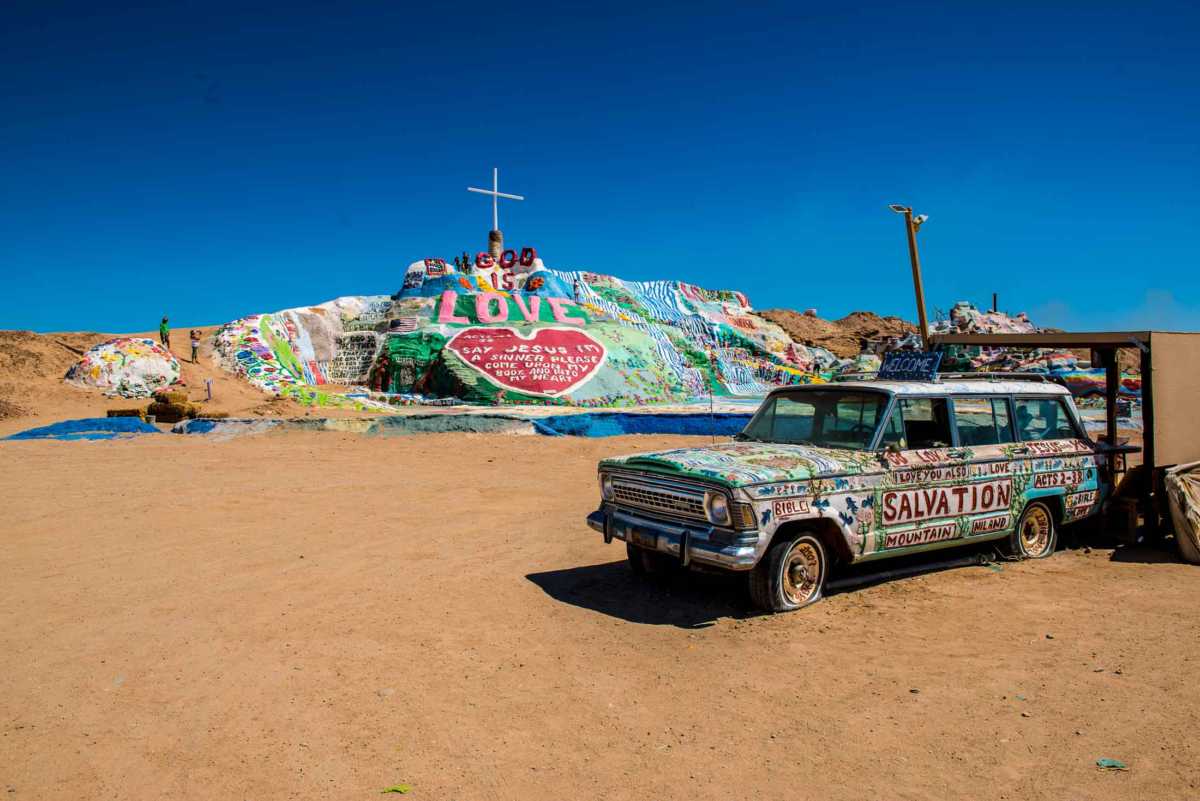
855, 471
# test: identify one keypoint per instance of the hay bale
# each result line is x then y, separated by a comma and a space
212, 415
167, 412
495, 244
126, 413
171, 396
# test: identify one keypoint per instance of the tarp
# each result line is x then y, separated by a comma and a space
89, 428
1183, 488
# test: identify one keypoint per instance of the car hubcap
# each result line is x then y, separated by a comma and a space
1035, 531
801, 573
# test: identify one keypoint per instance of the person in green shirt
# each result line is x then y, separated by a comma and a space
164, 333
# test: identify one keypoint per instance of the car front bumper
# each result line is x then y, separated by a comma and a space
692, 542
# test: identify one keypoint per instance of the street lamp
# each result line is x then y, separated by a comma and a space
912, 225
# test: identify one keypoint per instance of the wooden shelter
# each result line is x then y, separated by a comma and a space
1170, 366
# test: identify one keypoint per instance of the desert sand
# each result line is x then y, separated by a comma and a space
319, 615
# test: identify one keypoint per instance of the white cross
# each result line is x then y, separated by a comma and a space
496, 195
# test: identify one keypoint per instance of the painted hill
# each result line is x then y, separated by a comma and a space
513, 331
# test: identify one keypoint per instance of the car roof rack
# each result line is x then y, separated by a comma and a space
993, 376
1014, 376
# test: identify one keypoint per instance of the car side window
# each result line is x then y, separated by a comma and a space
982, 421
926, 422
1043, 418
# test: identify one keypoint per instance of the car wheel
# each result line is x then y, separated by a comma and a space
1035, 536
791, 574
649, 563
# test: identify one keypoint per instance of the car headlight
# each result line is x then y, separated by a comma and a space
606, 487
716, 507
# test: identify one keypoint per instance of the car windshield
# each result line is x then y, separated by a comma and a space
827, 418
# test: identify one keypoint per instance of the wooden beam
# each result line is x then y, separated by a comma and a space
1047, 339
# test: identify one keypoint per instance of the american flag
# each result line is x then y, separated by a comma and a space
404, 325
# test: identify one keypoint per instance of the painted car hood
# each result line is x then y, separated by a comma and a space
738, 464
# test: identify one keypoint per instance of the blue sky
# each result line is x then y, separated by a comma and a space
209, 160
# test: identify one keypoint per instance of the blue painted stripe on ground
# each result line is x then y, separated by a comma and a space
608, 424
87, 428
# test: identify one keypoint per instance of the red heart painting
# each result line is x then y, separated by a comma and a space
550, 362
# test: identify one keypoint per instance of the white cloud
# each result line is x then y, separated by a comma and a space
1056, 314
1158, 310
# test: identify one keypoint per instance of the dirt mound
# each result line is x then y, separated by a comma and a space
871, 326
33, 392
10, 409
26, 356
845, 337
32, 365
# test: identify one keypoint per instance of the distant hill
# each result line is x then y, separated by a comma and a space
846, 337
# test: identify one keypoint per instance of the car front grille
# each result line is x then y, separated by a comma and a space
675, 502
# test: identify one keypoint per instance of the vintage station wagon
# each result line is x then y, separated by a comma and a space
860, 470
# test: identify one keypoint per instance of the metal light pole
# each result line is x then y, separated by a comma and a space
912, 225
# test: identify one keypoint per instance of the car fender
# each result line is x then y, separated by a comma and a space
843, 518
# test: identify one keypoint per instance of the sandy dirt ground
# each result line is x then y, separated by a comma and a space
319, 615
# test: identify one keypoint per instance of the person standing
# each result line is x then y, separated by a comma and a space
195, 337
164, 333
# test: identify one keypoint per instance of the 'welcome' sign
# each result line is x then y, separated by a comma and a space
910, 366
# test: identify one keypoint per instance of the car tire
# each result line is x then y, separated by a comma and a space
1036, 535
643, 562
791, 574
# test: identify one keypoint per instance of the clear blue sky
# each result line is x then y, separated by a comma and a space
209, 160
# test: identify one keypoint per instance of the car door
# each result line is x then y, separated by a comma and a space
985, 434
917, 499
1061, 464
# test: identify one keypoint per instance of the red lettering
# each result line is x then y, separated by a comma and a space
943, 507
960, 493
930, 500
889, 506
